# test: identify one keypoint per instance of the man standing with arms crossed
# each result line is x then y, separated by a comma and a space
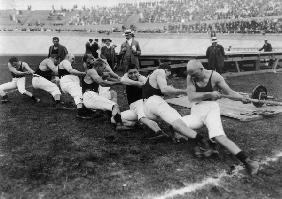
202, 91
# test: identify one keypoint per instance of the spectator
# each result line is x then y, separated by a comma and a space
215, 54
130, 51
88, 46
108, 52
266, 47
94, 49
57, 49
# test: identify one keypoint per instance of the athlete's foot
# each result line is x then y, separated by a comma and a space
252, 166
36, 99
4, 101
82, 114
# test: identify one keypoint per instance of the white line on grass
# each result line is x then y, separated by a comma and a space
211, 181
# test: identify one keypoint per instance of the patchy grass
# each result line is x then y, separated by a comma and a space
47, 153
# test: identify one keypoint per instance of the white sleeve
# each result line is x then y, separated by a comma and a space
66, 65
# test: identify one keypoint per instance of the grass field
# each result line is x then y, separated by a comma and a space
46, 153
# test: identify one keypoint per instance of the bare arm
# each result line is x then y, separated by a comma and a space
95, 77
226, 90
15, 71
111, 72
26, 66
126, 81
52, 67
162, 83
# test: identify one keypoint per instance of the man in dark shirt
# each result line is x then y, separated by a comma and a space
58, 50
267, 48
215, 54
108, 52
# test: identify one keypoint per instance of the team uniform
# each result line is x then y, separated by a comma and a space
18, 82
135, 102
96, 96
206, 113
155, 106
70, 83
42, 78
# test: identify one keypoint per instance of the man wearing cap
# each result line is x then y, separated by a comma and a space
57, 49
108, 52
215, 54
129, 51
267, 48
94, 48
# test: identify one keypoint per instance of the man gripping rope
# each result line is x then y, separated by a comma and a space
134, 82
70, 83
94, 97
155, 106
18, 71
202, 88
43, 75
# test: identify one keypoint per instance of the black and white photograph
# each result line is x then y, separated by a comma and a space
140, 99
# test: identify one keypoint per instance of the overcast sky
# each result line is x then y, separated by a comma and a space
47, 4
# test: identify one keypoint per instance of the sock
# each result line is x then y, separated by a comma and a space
198, 138
117, 118
33, 98
5, 97
242, 156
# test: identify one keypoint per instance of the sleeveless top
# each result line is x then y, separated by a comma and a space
148, 90
207, 88
20, 69
133, 94
63, 72
89, 87
46, 74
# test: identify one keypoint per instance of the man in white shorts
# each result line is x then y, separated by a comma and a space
42, 78
70, 83
134, 82
18, 71
202, 88
96, 98
156, 107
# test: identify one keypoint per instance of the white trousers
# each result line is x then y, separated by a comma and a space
155, 106
71, 84
18, 83
205, 113
98, 101
42, 83
135, 112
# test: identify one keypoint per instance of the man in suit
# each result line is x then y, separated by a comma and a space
108, 52
94, 48
215, 54
129, 51
58, 50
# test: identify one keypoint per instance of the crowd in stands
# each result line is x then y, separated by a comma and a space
184, 11
197, 16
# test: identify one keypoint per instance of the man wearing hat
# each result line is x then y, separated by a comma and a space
108, 52
267, 48
129, 51
215, 54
